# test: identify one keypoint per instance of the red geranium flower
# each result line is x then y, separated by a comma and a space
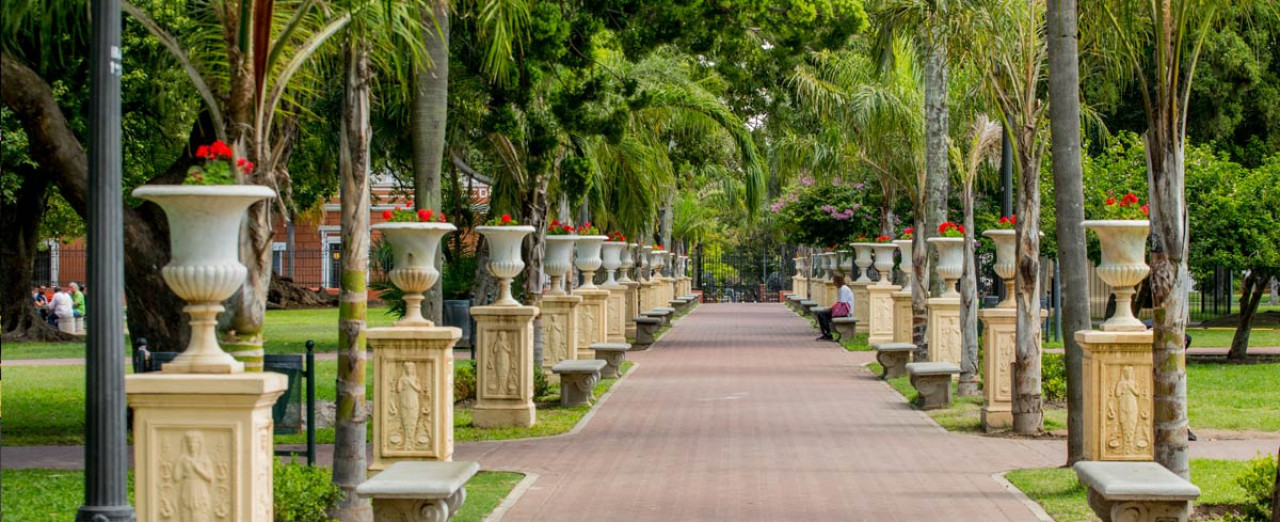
1128, 199
220, 148
1111, 201
882, 238
1146, 209
424, 214
386, 214
568, 228
909, 230
506, 218
202, 151
440, 217
555, 222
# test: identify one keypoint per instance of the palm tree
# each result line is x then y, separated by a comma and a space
1154, 46
981, 148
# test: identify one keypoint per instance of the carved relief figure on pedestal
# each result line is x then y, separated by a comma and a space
882, 315
408, 405
504, 367
1126, 415
555, 340
590, 326
193, 474
614, 310
1007, 341
263, 503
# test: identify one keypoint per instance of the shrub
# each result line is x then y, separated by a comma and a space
1054, 372
1258, 482
304, 493
540, 386
464, 380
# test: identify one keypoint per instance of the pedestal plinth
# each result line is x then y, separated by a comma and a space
944, 330
615, 330
1118, 404
203, 445
902, 316
593, 319
798, 287
881, 313
559, 332
504, 366
861, 304
632, 307
829, 294
999, 341
413, 393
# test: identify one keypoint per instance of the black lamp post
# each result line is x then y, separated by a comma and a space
106, 464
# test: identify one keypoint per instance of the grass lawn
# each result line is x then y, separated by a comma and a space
965, 413
858, 344
46, 407
48, 495
1062, 496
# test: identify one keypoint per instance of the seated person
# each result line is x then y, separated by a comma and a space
843, 307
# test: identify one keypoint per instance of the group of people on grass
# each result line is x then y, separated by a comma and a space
62, 308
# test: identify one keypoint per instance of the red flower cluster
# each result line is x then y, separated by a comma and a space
218, 149
402, 214
555, 228
909, 233
1008, 220
245, 165
1123, 208
617, 237
883, 239
506, 218
949, 226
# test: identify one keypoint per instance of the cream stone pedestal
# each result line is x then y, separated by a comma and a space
1118, 417
593, 319
944, 330
829, 295
880, 313
799, 287
861, 304
203, 447
632, 304
902, 316
559, 332
504, 366
999, 340
615, 312
412, 393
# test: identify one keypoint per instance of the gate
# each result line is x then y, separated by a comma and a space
742, 275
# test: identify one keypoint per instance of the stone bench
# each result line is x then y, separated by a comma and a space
646, 329
1136, 491
932, 381
663, 314
844, 327
806, 305
419, 490
612, 354
680, 305
577, 380
893, 357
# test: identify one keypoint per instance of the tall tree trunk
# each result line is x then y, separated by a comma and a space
1254, 285
666, 217
920, 289
887, 218
349, 438
937, 129
19, 239
154, 312
430, 110
1028, 410
1170, 285
968, 305
535, 250
1068, 193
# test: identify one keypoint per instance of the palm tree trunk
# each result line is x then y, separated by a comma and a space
1068, 193
430, 110
1170, 284
349, 466
1028, 411
968, 304
937, 129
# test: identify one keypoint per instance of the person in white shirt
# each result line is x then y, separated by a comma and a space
61, 308
842, 307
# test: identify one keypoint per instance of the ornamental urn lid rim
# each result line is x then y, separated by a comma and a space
615, 243
562, 237
863, 244
601, 238
513, 228
1115, 223
993, 232
945, 239
204, 190
414, 225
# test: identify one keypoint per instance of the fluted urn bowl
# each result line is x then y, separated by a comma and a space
844, 263
657, 261
588, 260
505, 261
864, 259
628, 259
646, 265
1006, 240
204, 268
559, 259
905, 264
1123, 266
950, 262
884, 262
611, 260
413, 247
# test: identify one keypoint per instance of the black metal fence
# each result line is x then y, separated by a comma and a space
742, 276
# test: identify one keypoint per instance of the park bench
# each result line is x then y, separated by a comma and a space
662, 314
1136, 491
612, 354
893, 357
793, 302
806, 305
577, 380
844, 327
646, 328
419, 490
932, 381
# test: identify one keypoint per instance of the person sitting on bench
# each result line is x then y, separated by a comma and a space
843, 307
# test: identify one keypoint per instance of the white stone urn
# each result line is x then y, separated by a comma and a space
863, 260
829, 264
657, 261
646, 264
905, 265
884, 262
844, 263
558, 261
413, 247
1006, 240
799, 262
204, 268
611, 260
1123, 266
628, 259
588, 258
950, 262
505, 261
